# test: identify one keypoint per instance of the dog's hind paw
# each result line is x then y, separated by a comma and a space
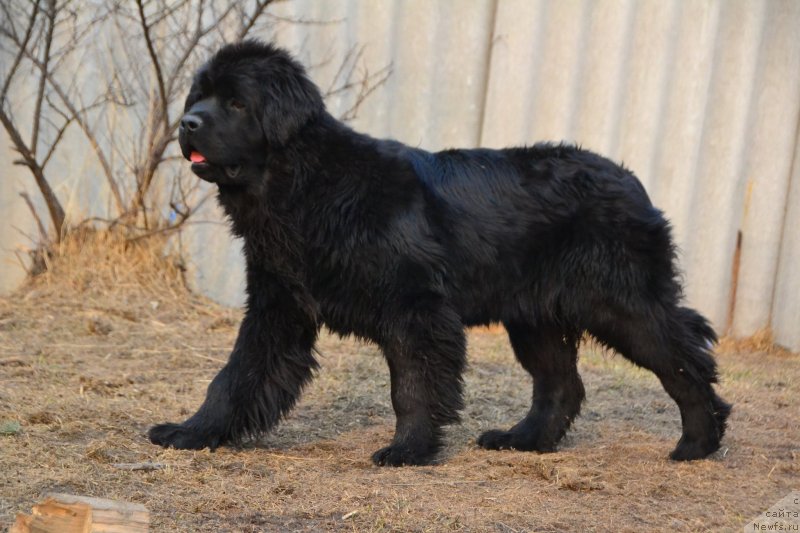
692, 449
398, 455
495, 439
182, 437
528, 441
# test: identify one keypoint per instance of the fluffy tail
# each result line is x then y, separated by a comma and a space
691, 331
694, 334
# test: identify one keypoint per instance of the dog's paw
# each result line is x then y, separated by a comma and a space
495, 439
692, 449
183, 437
528, 441
398, 455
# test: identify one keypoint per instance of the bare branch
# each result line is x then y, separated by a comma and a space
170, 9
177, 224
93, 141
306, 22
9, 17
349, 63
56, 141
161, 41
250, 21
22, 46
48, 41
21, 262
36, 217
366, 83
84, 125
199, 33
156, 65
67, 120
53, 205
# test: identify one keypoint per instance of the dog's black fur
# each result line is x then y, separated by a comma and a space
405, 248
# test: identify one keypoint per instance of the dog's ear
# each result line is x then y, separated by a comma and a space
291, 100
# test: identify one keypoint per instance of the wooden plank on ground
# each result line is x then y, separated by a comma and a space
68, 513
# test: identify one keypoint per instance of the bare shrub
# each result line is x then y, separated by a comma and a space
129, 108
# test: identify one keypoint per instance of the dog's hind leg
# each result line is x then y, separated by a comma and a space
675, 343
550, 356
425, 360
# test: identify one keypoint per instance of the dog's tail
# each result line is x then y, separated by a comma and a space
693, 336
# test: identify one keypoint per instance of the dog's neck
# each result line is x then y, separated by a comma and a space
267, 211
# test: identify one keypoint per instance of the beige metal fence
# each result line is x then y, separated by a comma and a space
700, 98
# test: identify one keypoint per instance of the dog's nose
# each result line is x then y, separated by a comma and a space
191, 122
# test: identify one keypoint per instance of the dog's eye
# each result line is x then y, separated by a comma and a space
236, 104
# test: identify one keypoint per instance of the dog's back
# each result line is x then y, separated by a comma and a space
547, 229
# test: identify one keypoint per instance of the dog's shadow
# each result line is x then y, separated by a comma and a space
350, 392
351, 395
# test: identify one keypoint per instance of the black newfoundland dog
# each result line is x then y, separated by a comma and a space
406, 248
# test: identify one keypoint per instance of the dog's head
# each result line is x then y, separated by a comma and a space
250, 98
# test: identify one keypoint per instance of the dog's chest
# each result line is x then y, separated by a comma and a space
350, 291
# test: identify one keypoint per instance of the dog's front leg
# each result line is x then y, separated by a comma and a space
425, 364
271, 362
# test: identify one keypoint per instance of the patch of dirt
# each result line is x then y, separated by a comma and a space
91, 356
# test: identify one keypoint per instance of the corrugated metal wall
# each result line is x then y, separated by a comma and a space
700, 98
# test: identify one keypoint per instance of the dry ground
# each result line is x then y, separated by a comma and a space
92, 354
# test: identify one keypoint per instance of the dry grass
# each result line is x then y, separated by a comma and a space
763, 341
109, 342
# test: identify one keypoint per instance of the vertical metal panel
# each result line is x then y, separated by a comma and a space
551, 109
373, 30
684, 115
769, 153
413, 53
516, 52
439, 56
462, 37
644, 90
600, 96
719, 186
786, 306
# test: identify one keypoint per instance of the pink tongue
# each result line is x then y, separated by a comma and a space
197, 157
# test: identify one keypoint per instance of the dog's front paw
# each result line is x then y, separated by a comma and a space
183, 437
